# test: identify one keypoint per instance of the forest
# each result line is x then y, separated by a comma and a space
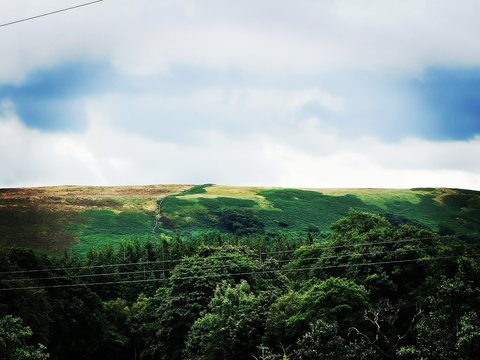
370, 288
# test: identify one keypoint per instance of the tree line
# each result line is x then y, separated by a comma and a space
369, 289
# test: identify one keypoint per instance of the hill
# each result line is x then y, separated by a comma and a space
57, 218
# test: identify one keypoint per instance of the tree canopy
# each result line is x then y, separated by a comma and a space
369, 289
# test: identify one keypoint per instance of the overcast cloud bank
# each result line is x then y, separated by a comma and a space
305, 94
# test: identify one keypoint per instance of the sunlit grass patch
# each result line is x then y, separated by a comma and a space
381, 198
238, 192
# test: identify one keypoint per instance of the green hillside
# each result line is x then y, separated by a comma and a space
57, 218
449, 211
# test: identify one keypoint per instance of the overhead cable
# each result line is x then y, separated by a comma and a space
49, 13
257, 272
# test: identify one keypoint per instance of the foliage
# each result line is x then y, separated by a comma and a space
231, 328
334, 300
240, 222
14, 337
366, 289
175, 307
324, 342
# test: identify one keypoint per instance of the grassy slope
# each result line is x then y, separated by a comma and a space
445, 210
57, 218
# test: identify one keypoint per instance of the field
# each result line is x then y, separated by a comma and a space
54, 219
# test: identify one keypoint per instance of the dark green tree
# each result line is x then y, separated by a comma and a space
173, 310
240, 222
232, 328
333, 300
324, 342
15, 341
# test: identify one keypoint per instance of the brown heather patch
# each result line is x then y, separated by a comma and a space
80, 198
442, 194
39, 217
458, 197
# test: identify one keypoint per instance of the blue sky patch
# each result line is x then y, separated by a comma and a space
451, 98
444, 104
51, 99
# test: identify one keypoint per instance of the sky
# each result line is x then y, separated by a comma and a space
306, 93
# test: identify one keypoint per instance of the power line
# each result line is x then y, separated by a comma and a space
91, 267
326, 247
221, 266
50, 13
269, 271
321, 248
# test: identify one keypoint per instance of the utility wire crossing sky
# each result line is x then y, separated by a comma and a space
49, 13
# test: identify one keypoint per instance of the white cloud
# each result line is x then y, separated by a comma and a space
369, 164
147, 36
236, 111
105, 155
